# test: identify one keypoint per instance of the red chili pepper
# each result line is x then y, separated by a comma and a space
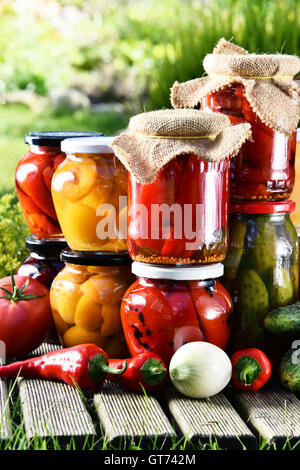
147, 370
85, 366
251, 369
188, 193
163, 190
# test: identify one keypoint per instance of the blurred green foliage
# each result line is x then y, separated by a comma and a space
18, 120
13, 231
132, 50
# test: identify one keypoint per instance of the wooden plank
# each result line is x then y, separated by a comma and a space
5, 423
272, 413
209, 420
132, 418
52, 408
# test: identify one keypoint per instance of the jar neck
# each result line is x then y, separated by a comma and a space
146, 282
41, 149
281, 217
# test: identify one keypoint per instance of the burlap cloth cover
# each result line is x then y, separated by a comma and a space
156, 137
267, 78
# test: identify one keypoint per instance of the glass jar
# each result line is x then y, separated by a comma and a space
180, 218
33, 180
90, 196
85, 300
169, 306
261, 270
43, 262
295, 216
264, 168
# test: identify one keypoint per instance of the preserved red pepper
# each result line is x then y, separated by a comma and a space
33, 180
167, 307
182, 216
264, 167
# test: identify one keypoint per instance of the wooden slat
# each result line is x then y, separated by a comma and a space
5, 427
272, 413
131, 417
209, 420
52, 408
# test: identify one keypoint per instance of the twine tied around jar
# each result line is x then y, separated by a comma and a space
267, 79
156, 137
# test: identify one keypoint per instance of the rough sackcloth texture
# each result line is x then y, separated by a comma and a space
156, 137
267, 78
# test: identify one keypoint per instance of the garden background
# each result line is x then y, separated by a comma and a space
91, 64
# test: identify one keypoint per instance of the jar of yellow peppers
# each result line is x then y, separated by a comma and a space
85, 300
89, 191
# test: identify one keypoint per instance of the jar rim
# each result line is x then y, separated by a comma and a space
95, 258
98, 144
276, 207
178, 272
54, 138
45, 245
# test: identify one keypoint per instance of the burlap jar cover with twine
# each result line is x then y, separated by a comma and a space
156, 137
267, 78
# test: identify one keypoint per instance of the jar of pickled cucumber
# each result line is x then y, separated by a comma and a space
261, 270
89, 191
85, 300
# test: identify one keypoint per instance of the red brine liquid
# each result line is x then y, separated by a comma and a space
33, 184
264, 168
180, 218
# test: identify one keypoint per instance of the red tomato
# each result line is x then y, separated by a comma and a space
25, 315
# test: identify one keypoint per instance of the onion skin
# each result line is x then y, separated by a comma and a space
200, 369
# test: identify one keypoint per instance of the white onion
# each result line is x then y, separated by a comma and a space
200, 369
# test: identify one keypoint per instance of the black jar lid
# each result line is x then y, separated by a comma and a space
54, 138
96, 258
46, 246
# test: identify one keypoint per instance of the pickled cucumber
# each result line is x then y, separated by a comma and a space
255, 303
235, 250
289, 370
261, 248
284, 322
281, 291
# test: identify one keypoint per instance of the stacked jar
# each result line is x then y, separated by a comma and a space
178, 162
89, 191
261, 268
33, 185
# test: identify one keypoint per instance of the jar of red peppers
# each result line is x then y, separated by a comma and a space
264, 168
43, 263
167, 307
85, 299
261, 270
258, 89
33, 180
179, 185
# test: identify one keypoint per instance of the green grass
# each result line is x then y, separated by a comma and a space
261, 26
17, 120
18, 441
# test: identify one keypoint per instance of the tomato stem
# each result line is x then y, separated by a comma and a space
16, 292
